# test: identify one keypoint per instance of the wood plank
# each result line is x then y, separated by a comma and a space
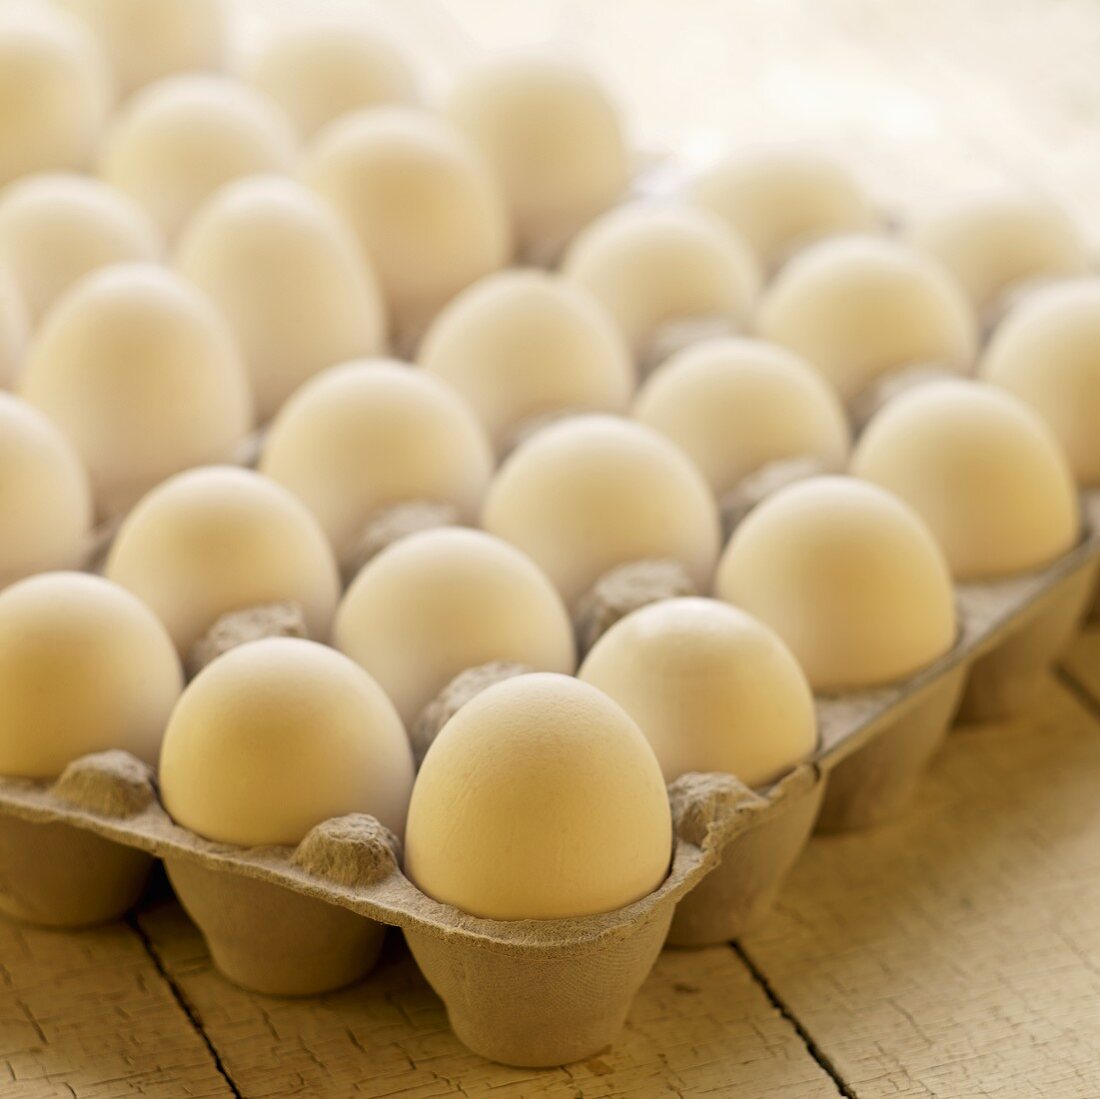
700, 1026
956, 952
1082, 663
88, 1014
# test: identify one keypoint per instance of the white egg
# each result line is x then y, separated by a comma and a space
287, 275
983, 471
277, 736
14, 329
139, 371
84, 667
369, 435
848, 576
540, 799
522, 344
216, 540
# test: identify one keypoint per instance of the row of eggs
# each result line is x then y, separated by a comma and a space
544, 796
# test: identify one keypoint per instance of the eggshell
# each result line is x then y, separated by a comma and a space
982, 470
522, 343
367, 435
277, 736
436, 603
858, 307
180, 139
287, 275
13, 328
142, 375
144, 41
57, 227
848, 576
711, 688
45, 498
540, 799
54, 90
992, 242
320, 66
589, 493
421, 200
1047, 352
216, 540
651, 264
782, 199
84, 667
734, 405
553, 136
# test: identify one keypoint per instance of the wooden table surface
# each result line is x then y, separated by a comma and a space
954, 953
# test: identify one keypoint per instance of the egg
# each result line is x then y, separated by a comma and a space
45, 498
216, 540
522, 344
13, 328
57, 227
552, 135
848, 576
781, 199
735, 405
144, 41
982, 470
180, 139
369, 435
319, 67
653, 264
84, 667
288, 277
540, 799
1047, 352
591, 492
858, 307
996, 241
711, 688
139, 371
54, 90
421, 200
437, 603
277, 736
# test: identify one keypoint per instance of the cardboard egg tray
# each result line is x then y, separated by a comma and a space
302, 920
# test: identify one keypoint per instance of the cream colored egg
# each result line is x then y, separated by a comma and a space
421, 200
848, 576
522, 344
140, 372
1047, 352
982, 470
277, 736
57, 227
439, 602
994, 242
84, 667
553, 136
54, 90
368, 435
147, 39
45, 498
711, 688
656, 264
540, 799
780, 200
13, 329
858, 307
320, 66
287, 275
180, 139
591, 492
734, 405
216, 540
